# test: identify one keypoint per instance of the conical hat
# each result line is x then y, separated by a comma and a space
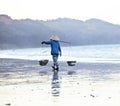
54, 37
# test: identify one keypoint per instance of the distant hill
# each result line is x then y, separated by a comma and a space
29, 33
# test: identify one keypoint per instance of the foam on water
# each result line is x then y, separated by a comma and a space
91, 54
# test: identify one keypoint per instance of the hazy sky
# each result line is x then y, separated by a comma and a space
107, 10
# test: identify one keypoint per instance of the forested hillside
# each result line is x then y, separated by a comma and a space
29, 33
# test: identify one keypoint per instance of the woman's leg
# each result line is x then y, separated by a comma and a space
55, 60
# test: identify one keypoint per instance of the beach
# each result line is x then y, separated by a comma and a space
26, 83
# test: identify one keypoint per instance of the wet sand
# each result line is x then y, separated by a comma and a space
26, 83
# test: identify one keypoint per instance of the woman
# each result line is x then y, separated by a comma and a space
55, 50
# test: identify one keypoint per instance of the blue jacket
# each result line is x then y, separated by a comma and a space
55, 47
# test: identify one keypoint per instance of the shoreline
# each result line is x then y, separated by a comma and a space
12, 65
26, 83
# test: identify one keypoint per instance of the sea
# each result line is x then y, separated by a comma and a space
91, 53
93, 81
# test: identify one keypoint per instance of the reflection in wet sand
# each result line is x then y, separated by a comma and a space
55, 84
83, 85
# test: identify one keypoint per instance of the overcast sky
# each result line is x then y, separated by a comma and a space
107, 10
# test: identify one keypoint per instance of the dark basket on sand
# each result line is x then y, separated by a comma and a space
71, 63
43, 62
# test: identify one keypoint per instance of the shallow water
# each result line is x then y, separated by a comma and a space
21, 69
67, 89
85, 84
